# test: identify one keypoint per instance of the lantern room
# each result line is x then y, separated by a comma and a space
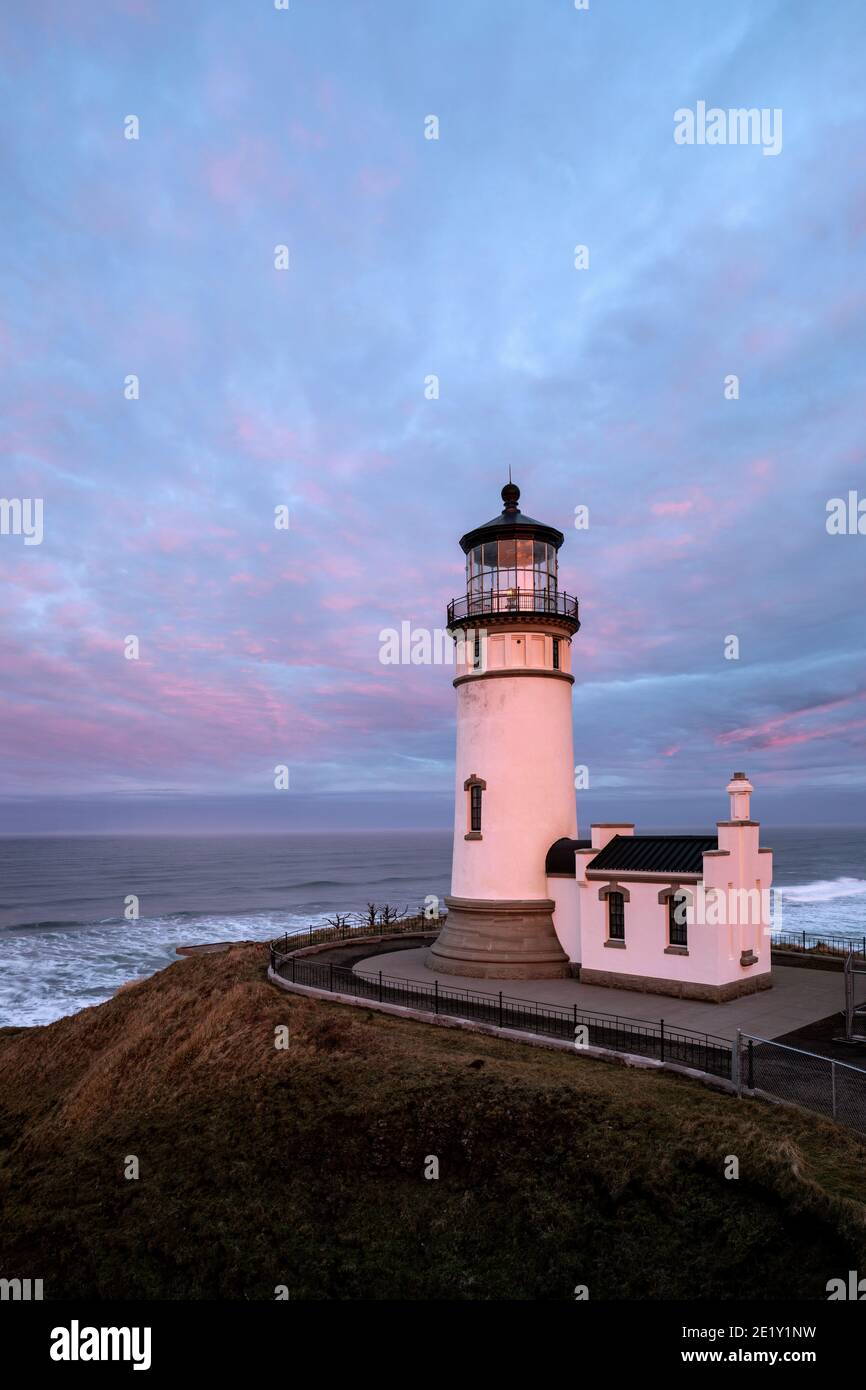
511, 567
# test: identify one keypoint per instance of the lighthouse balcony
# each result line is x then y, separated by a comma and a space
508, 602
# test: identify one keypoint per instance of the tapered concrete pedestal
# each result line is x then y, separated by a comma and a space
508, 940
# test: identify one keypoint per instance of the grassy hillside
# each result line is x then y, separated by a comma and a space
305, 1167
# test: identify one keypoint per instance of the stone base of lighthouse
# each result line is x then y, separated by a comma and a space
508, 940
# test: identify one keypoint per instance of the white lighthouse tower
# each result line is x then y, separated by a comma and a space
514, 794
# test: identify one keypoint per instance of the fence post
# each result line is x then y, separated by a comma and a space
735, 1063
331, 976
663, 1040
804, 939
751, 1065
833, 1085
380, 986
287, 943
436, 996
500, 1008
293, 969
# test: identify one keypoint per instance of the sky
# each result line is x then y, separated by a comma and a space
307, 388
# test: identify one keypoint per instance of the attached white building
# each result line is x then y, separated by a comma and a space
672, 914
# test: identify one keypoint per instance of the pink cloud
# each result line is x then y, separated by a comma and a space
808, 736
770, 732
304, 137
377, 183
343, 603
233, 175
672, 508
263, 439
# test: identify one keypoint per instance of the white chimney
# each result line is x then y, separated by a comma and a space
739, 789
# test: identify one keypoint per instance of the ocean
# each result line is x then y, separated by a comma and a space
66, 944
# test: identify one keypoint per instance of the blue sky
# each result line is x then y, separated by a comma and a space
305, 388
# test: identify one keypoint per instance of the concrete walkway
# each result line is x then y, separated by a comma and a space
798, 997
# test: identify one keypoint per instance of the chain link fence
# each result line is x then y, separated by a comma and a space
831, 1088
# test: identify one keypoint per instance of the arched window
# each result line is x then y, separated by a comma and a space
474, 787
615, 917
678, 931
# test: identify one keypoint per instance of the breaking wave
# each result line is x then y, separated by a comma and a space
823, 890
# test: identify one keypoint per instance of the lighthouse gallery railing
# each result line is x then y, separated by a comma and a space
484, 601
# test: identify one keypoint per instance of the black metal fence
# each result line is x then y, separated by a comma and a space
821, 1084
703, 1051
350, 931
818, 943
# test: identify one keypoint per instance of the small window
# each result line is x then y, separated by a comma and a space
678, 931
476, 652
615, 917
556, 642
475, 808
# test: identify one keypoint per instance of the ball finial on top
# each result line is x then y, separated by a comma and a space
510, 496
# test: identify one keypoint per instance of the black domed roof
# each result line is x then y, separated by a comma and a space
560, 856
511, 522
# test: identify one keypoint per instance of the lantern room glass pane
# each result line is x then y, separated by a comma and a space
524, 553
525, 573
473, 572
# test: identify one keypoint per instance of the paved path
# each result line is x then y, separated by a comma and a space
798, 997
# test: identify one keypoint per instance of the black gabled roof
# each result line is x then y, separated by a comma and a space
654, 854
560, 856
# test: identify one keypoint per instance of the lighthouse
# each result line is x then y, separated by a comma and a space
514, 786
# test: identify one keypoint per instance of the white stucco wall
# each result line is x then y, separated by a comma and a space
515, 733
566, 916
